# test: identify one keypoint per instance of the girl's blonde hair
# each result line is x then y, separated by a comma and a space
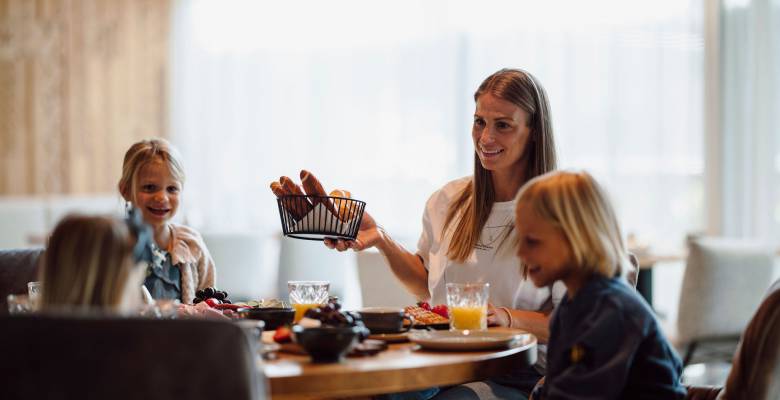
142, 153
471, 208
576, 203
87, 262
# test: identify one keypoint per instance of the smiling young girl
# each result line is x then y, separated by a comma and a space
604, 340
152, 180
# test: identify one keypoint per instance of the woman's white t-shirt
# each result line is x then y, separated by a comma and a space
493, 260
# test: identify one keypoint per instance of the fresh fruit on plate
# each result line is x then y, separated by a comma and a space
283, 335
211, 296
329, 316
426, 317
441, 309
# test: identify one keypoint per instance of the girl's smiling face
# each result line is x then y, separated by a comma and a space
500, 133
542, 247
157, 193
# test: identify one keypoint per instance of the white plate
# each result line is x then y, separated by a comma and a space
468, 340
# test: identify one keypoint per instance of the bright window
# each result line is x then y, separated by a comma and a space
377, 97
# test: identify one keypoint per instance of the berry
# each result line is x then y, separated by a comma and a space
208, 292
282, 335
212, 301
441, 309
219, 295
424, 305
197, 300
199, 294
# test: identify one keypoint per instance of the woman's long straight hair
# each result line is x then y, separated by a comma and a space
472, 206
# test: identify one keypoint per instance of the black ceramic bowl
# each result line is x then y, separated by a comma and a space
327, 344
273, 317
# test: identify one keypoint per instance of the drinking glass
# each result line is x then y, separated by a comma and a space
18, 304
307, 294
34, 294
467, 304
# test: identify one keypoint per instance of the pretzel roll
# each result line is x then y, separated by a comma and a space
298, 207
313, 187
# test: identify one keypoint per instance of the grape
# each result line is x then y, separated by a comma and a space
199, 294
209, 292
219, 295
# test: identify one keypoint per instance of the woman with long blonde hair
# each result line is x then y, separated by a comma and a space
468, 225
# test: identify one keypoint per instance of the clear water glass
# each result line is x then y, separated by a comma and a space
307, 294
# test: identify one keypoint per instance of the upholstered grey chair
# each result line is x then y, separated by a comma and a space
49, 357
755, 373
17, 267
723, 284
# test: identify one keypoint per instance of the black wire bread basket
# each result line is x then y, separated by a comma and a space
312, 217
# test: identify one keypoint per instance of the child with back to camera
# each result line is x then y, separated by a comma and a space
152, 180
95, 263
604, 340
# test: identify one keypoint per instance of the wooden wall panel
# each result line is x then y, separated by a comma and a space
80, 80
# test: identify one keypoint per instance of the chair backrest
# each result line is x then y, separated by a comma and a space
723, 284
755, 373
308, 260
47, 357
243, 265
378, 284
17, 267
21, 220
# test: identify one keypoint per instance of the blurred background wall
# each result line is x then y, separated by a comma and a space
80, 80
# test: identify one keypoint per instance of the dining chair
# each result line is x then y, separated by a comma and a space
308, 260
243, 264
59, 357
723, 283
17, 267
378, 285
755, 373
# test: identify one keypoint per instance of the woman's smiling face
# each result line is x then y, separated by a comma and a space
500, 133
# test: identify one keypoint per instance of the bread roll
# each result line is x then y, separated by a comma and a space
346, 209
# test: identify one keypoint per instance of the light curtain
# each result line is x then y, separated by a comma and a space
376, 97
750, 118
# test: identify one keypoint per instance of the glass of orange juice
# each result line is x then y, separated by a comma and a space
307, 294
467, 304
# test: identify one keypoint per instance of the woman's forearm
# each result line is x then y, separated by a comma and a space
406, 266
533, 322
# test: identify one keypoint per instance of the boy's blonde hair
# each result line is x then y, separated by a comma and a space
577, 204
142, 153
87, 262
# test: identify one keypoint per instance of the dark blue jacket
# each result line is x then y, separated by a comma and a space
606, 344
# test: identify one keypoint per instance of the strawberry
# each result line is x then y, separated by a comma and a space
282, 335
441, 309
424, 305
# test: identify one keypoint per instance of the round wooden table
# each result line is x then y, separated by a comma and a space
403, 367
